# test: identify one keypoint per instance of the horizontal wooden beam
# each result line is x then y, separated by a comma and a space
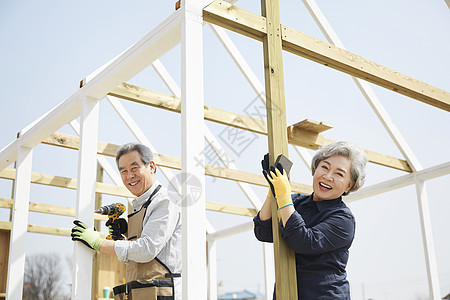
312, 140
230, 209
304, 134
67, 141
235, 19
40, 229
48, 209
298, 43
171, 103
103, 188
69, 183
313, 126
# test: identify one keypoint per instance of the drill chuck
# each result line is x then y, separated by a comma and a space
111, 209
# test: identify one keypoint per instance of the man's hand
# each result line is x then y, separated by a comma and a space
281, 186
117, 228
86, 235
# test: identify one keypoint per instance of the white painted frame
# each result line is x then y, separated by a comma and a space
85, 205
19, 224
192, 148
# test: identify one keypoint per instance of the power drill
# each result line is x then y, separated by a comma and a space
114, 211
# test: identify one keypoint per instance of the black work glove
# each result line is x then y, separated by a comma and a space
117, 228
265, 169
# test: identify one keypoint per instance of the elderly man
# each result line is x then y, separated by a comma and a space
152, 251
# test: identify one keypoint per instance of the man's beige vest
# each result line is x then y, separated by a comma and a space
145, 281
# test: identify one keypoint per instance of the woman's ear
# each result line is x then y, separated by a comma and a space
350, 185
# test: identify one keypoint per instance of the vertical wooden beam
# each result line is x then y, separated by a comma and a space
13, 184
96, 264
87, 163
285, 273
212, 269
12, 191
427, 237
192, 153
269, 270
4, 254
98, 196
19, 224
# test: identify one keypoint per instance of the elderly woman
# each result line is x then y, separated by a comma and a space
318, 227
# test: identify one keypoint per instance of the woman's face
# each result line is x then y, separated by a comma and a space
332, 178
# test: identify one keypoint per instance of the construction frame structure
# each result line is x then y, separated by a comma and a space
185, 26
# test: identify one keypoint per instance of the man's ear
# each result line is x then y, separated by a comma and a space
152, 166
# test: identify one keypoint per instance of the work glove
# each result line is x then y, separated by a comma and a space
265, 169
281, 186
87, 236
116, 228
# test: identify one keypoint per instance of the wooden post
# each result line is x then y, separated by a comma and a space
4, 254
16, 262
96, 263
192, 157
13, 184
98, 196
87, 162
285, 273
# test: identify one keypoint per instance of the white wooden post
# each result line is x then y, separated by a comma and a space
192, 158
87, 165
19, 224
212, 270
428, 244
269, 270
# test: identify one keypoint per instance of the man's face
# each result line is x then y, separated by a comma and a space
137, 177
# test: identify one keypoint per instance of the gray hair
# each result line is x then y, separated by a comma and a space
357, 157
144, 151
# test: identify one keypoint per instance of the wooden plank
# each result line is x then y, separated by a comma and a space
171, 162
230, 209
70, 212
329, 55
70, 183
298, 134
313, 126
236, 19
72, 142
49, 209
156, 99
98, 202
111, 272
4, 254
305, 138
41, 229
311, 140
285, 266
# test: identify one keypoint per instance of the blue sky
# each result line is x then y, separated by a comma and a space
47, 47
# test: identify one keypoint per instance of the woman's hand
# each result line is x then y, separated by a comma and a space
281, 186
